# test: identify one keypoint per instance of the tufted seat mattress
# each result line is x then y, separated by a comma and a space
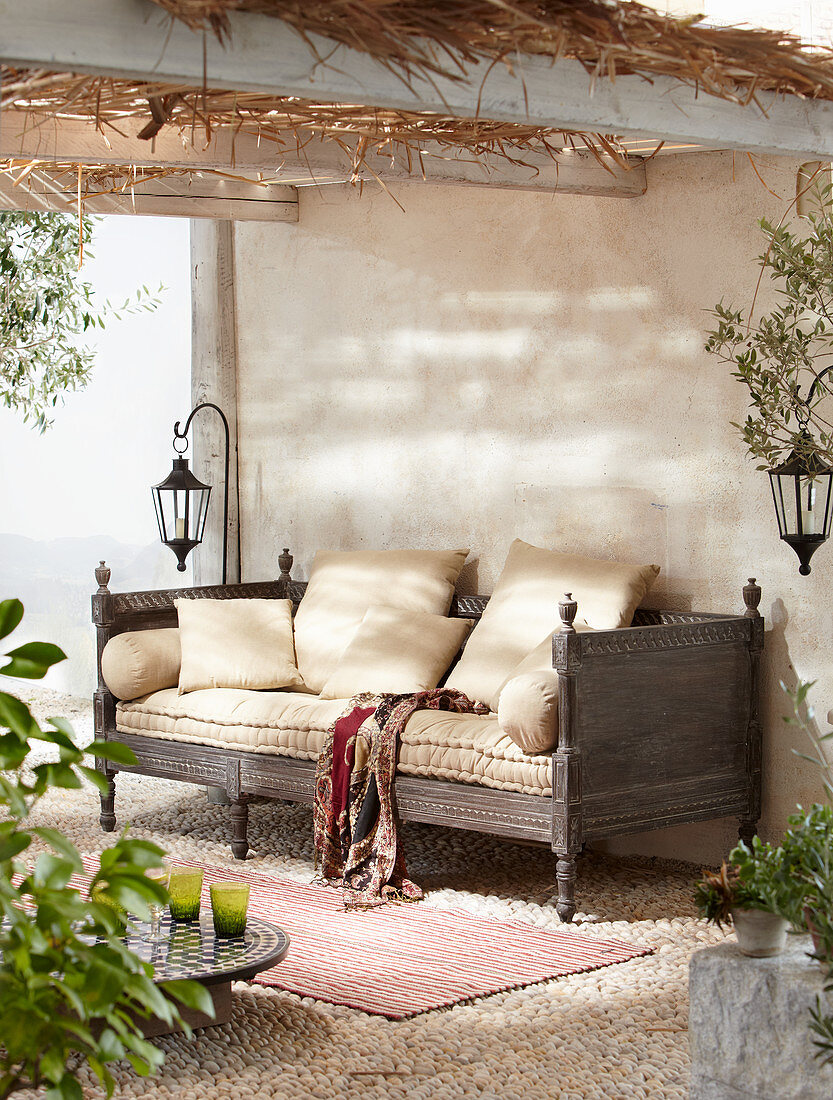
435, 744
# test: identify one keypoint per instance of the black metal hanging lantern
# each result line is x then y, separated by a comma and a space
181, 503
181, 500
802, 489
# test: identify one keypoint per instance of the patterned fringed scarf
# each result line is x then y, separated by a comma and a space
356, 843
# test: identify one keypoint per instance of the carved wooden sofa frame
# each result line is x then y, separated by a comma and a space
658, 726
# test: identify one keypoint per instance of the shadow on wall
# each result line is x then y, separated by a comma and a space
480, 363
411, 436
782, 739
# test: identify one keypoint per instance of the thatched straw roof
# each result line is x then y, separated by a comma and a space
428, 37
288, 123
606, 36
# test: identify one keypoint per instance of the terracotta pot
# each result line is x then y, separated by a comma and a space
759, 934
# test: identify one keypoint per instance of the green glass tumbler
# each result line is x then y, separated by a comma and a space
229, 905
185, 888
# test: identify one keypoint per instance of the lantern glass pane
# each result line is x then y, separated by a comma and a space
157, 507
166, 504
824, 503
783, 491
199, 506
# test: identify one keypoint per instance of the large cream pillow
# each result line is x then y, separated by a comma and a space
344, 584
236, 644
524, 608
141, 661
396, 651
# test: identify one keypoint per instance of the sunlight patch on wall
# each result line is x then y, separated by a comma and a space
508, 344
607, 298
534, 303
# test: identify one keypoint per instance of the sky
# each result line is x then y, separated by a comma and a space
91, 472
811, 19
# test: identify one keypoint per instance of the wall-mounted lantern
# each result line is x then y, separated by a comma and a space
802, 489
181, 499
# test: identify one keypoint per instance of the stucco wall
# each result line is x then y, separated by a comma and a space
486, 365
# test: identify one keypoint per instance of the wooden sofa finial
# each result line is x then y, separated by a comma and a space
752, 597
567, 609
102, 575
285, 565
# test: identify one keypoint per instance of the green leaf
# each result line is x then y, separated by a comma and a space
53, 872
190, 994
60, 843
65, 727
67, 1088
114, 751
97, 778
15, 715
11, 612
56, 737
33, 660
110, 1047
57, 775
13, 845
134, 900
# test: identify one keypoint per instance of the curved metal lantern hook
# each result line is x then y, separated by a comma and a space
183, 435
816, 380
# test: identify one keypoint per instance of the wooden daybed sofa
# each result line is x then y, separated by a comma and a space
657, 726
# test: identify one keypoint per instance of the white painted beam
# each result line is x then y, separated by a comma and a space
175, 197
214, 378
135, 39
29, 137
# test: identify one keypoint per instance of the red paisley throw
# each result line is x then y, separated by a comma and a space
356, 842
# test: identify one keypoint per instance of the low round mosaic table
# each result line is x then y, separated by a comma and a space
194, 951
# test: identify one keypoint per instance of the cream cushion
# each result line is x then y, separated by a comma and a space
344, 584
528, 710
396, 651
236, 644
141, 661
524, 608
464, 748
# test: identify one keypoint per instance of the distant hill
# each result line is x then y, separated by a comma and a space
55, 580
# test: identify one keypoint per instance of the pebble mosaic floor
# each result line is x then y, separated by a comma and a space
619, 1032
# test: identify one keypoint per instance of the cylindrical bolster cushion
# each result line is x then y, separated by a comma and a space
141, 661
528, 710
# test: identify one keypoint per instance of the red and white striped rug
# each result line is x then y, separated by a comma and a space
403, 959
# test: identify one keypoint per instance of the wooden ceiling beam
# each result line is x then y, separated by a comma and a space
29, 137
135, 39
169, 196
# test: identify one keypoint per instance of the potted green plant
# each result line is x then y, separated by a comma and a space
71, 992
750, 890
783, 357
786, 349
808, 851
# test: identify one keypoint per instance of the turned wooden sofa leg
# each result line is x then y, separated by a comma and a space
565, 875
239, 828
107, 817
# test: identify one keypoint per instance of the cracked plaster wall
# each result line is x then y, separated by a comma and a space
488, 365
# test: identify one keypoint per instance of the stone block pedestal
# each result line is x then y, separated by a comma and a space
748, 1025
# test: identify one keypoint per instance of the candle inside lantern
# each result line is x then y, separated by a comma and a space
180, 528
808, 512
